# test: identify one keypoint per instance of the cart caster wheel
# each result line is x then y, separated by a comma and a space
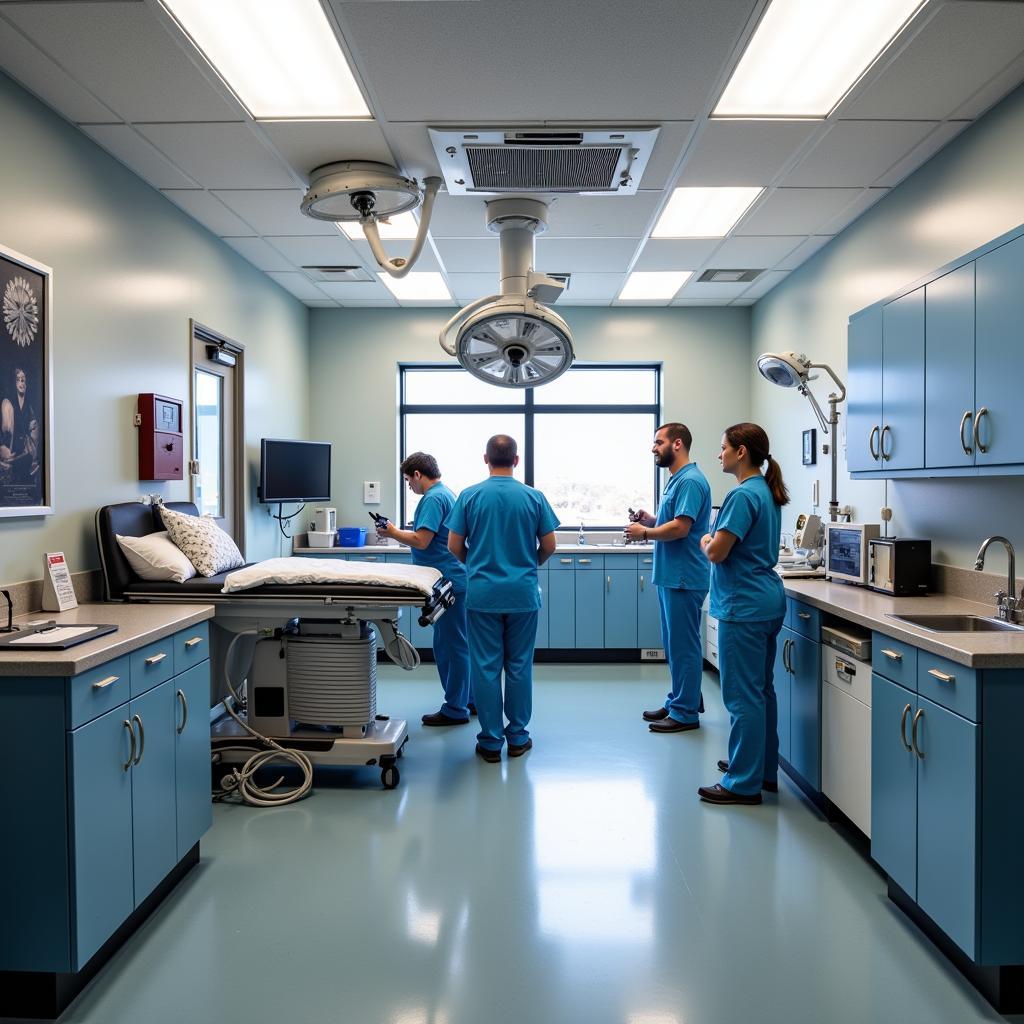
390, 776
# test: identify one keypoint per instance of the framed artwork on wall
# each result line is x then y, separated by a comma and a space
810, 447
26, 386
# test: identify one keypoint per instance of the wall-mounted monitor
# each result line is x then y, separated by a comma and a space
294, 470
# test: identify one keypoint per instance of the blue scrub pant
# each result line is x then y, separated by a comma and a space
680, 634
502, 641
451, 655
746, 657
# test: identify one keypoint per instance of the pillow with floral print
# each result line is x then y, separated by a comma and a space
204, 543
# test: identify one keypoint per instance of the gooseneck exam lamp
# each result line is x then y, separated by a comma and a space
792, 370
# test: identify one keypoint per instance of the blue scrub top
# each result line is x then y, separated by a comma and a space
681, 564
501, 520
431, 512
745, 587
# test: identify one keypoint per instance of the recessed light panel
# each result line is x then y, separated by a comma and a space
653, 285
704, 212
426, 286
806, 54
280, 59
402, 225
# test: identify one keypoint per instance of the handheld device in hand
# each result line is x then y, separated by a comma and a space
379, 521
634, 516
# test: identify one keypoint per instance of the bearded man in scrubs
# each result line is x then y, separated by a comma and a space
502, 530
681, 574
428, 541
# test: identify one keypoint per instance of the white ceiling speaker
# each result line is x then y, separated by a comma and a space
368, 192
510, 339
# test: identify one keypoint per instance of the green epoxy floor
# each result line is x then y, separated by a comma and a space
582, 883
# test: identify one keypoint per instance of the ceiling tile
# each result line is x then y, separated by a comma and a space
306, 145
593, 255
138, 155
470, 255
753, 251
22, 60
764, 284
317, 304
314, 250
857, 152
695, 289
261, 255
274, 212
702, 302
126, 58
209, 211
795, 211
804, 252
459, 217
468, 287
348, 292
744, 152
298, 284
676, 253
953, 56
601, 216
672, 139
1003, 83
863, 201
922, 152
427, 260
591, 288
220, 155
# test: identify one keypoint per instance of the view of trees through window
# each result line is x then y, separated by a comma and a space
584, 439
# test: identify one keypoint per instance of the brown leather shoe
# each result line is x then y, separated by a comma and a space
518, 749
768, 787
668, 724
490, 756
656, 716
439, 718
717, 794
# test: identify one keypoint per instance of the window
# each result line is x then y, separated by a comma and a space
584, 439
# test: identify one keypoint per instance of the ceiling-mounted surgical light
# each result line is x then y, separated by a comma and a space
511, 339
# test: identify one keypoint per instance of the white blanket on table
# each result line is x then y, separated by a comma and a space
321, 570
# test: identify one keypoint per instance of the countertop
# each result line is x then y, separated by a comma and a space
397, 549
871, 609
138, 625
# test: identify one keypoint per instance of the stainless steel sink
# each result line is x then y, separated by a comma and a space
959, 623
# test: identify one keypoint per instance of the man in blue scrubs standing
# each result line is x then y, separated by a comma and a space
502, 530
428, 540
681, 574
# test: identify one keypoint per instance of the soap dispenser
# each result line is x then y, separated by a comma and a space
581, 537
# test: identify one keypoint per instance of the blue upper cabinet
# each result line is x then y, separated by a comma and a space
949, 370
864, 373
999, 355
901, 439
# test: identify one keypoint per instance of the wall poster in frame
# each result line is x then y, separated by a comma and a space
26, 386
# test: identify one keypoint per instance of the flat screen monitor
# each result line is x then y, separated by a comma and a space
294, 470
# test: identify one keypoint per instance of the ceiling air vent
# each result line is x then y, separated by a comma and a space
729, 276
337, 273
495, 161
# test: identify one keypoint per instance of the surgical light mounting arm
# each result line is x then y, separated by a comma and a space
399, 266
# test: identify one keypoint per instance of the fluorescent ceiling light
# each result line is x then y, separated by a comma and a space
280, 59
704, 212
426, 286
650, 285
402, 225
806, 54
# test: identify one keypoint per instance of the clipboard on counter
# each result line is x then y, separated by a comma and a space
51, 637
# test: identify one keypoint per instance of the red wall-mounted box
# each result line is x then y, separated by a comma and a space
161, 439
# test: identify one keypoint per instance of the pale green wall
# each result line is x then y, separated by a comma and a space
969, 193
353, 380
129, 271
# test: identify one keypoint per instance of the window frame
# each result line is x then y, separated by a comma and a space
529, 408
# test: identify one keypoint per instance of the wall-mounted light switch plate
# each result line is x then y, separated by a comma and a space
371, 492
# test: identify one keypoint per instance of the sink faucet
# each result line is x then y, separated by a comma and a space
1008, 607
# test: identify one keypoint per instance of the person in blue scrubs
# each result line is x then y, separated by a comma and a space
428, 540
681, 574
502, 530
748, 599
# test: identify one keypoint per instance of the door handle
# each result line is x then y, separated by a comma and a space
156, 658
968, 450
803, 615
189, 644
892, 655
903, 729
785, 655
871, 443
184, 711
844, 669
641, 584
982, 413
104, 683
566, 561
131, 753
913, 733
942, 677
584, 561
142, 738
608, 584
886, 455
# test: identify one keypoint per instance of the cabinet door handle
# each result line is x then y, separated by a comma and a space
566, 561
156, 658
192, 643
844, 669
942, 677
913, 733
892, 655
886, 455
803, 615
968, 450
104, 683
131, 753
608, 584
982, 413
641, 584
871, 443
903, 729
785, 655
183, 700
584, 561
142, 738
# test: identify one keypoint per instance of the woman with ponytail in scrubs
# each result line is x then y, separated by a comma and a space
748, 599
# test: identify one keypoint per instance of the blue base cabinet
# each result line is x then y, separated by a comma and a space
797, 684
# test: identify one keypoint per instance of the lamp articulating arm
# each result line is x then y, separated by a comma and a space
833, 422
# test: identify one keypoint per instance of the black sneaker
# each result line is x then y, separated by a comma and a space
490, 756
717, 794
439, 718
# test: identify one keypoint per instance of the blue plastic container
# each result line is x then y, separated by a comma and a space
351, 536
